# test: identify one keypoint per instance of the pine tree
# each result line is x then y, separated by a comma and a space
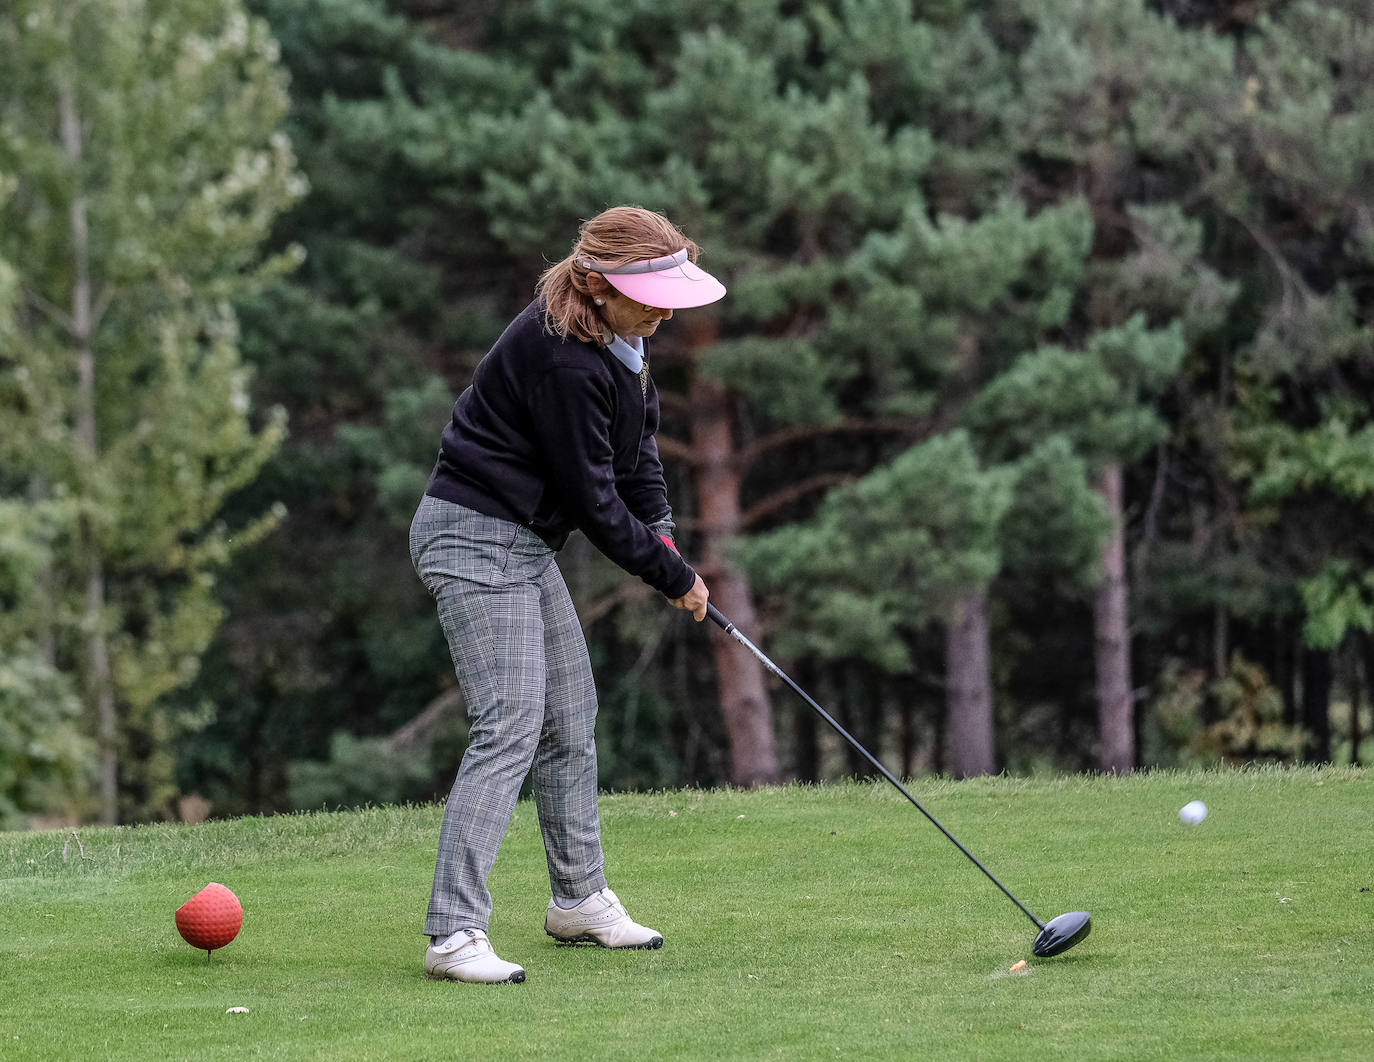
868, 183
1248, 137
735, 136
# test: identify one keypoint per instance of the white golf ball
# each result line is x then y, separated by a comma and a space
1193, 812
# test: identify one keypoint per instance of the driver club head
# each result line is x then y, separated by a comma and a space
1062, 933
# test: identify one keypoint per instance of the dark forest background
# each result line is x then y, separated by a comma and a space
1034, 435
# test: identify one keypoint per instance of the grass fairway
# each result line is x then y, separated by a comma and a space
829, 922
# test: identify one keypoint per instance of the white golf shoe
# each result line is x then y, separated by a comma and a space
467, 955
599, 919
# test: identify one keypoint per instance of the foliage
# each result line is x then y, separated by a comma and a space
1236, 719
987, 227
365, 345
1048, 243
45, 762
1251, 727
150, 168
1056, 522
1300, 469
1097, 397
893, 551
358, 771
1232, 197
1337, 601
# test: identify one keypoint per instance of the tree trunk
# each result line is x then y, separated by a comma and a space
854, 715
1285, 670
969, 689
1113, 646
743, 697
1316, 704
98, 686
1221, 639
906, 736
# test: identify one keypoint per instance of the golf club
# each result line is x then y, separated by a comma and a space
1055, 936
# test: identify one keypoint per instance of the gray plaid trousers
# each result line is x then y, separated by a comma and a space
523, 669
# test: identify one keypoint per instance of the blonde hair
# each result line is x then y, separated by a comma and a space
614, 237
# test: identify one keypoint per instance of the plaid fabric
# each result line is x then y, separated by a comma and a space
523, 668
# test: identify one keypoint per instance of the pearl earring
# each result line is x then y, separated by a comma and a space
601, 302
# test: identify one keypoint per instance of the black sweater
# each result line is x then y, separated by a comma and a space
557, 435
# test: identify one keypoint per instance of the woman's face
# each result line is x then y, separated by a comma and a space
629, 318
625, 316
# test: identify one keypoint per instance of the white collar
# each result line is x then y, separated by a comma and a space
629, 352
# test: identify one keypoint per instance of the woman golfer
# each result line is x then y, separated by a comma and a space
555, 434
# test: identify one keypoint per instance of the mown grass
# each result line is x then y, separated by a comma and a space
801, 923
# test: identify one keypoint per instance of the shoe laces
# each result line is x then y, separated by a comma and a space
614, 901
477, 940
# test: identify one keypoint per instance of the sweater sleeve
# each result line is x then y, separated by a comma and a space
572, 411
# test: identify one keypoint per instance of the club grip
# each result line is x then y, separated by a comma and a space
716, 616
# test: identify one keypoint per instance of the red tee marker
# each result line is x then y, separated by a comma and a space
211, 918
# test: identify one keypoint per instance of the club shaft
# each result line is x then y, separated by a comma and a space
734, 632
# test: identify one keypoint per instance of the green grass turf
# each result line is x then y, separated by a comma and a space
802, 922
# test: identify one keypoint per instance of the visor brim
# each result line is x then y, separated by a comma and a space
678, 288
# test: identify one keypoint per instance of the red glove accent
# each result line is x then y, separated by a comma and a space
670, 544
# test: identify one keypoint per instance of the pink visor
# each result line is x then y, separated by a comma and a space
668, 283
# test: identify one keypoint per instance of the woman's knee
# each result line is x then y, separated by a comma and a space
505, 737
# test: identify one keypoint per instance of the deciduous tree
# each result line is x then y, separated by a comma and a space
145, 138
